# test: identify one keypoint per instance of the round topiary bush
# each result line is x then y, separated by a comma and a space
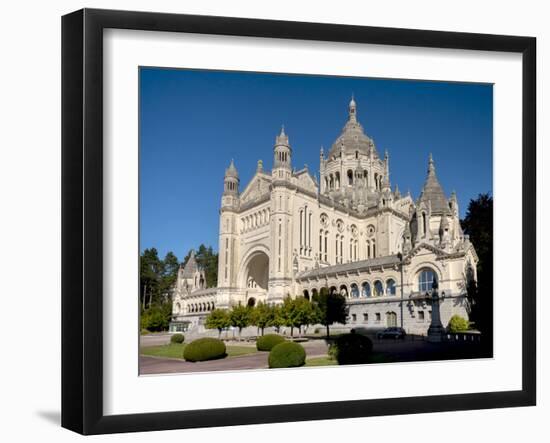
458, 324
287, 355
204, 349
177, 338
351, 349
268, 341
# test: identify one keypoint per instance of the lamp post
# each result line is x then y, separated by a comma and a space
400, 257
436, 330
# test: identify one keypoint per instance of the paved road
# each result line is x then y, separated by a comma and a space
385, 350
154, 339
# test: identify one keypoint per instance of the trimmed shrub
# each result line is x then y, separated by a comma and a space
351, 349
177, 338
204, 349
287, 355
268, 341
458, 324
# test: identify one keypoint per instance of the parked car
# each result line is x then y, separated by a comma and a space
393, 332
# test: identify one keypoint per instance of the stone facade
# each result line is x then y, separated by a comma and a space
287, 233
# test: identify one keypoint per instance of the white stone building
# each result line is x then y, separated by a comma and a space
287, 234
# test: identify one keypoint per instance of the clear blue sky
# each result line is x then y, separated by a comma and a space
192, 123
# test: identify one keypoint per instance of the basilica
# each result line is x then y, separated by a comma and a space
288, 232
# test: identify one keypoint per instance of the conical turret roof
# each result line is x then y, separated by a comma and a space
433, 192
231, 171
191, 266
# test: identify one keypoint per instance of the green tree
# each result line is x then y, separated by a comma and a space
170, 266
218, 319
262, 316
478, 224
276, 321
156, 317
239, 317
208, 260
150, 267
330, 308
157, 279
296, 313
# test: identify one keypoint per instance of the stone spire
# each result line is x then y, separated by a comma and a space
386, 178
432, 192
396, 192
453, 204
260, 166
352, 110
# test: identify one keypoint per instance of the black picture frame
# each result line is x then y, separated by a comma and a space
82, 218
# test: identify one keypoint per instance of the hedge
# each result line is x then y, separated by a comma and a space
204, 349
177, 338
268, 341
287, 355
351, 349
458, 324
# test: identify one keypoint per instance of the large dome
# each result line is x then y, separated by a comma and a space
353, 138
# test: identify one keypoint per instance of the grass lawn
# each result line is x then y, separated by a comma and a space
175, 350
321, 361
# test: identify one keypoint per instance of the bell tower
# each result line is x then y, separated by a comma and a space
282, 156
280, 263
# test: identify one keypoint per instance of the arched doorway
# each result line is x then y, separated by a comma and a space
391, 319
251, 302
254, 276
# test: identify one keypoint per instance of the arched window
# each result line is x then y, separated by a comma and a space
350, 177
426, 278
365, 289
378, 288
336, 250
337, 180
354, 291
373, 249
390, 286
368, 249
344, 290
326, 245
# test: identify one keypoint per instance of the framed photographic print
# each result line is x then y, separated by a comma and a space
269, 221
